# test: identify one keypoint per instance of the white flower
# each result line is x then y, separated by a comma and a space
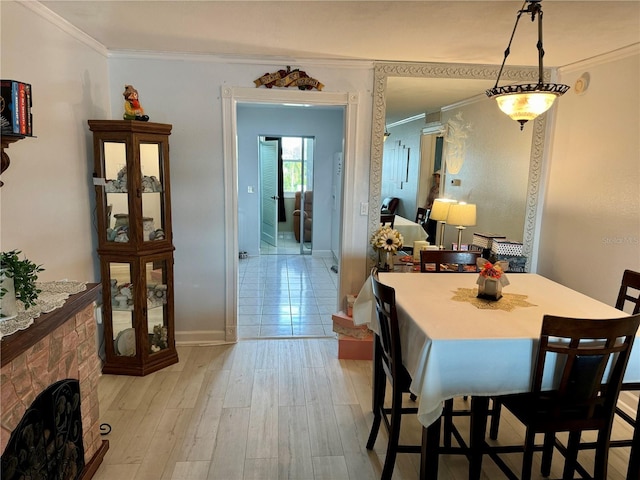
387, 239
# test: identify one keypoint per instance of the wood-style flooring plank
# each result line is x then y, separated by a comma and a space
241, 375
262, 439
190, 470
231, 445
330, 468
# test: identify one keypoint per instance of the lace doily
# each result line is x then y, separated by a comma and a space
508, 302
52, 296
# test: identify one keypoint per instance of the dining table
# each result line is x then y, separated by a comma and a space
455, 344
410, 230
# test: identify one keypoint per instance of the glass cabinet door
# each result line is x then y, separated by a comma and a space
116, 192
122, 309
152, 175
156, 275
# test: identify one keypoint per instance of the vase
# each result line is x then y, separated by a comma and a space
385, 261
489, 288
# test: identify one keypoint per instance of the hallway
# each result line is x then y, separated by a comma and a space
286, 295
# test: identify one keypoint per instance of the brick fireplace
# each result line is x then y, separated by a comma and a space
59, 345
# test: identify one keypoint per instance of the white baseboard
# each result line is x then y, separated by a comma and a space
201, 337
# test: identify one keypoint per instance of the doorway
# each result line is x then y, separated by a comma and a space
286, 195
237, 186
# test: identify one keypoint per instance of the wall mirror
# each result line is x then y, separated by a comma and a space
441, 82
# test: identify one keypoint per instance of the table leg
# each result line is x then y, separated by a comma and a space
429, 451
479, 414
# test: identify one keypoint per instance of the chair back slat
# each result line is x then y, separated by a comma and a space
591, 358
630, 281
460, 258
387, 318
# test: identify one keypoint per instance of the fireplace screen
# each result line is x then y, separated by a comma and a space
47, 443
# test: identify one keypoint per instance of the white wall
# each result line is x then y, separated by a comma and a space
591, 219
48, 198
185, 91
325, 124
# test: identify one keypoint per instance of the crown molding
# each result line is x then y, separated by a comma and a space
65, 26
628, 51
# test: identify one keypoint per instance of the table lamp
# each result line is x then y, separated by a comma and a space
439, 212
463, 215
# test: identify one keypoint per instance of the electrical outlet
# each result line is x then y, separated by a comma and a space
364, 208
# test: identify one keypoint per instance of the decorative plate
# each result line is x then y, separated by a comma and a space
125, 342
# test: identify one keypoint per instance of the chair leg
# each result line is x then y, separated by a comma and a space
495, 419
547, 454
527, 457
602, 454
378, 392
394, 435
634, 457
571, 456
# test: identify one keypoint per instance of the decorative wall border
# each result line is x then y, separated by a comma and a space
454, 71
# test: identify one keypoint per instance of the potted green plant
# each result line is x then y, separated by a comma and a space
23, 273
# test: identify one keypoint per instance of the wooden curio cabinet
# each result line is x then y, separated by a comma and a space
133, 199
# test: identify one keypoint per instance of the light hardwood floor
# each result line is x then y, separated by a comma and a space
269, 409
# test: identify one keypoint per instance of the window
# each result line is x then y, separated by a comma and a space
292, 158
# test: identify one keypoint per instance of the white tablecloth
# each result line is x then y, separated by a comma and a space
411, 231
453, 348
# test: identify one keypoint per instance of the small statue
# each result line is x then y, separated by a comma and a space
132, 108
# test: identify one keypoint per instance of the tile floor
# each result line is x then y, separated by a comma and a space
286, 295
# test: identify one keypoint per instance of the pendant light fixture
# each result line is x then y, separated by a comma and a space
525, 102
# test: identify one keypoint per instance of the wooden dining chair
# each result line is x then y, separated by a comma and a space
461, 259
421, 215
387, 219
387, 358
629, 299
584, 398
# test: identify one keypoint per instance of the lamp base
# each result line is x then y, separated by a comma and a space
460, 229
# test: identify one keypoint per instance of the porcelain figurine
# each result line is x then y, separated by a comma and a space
132, 108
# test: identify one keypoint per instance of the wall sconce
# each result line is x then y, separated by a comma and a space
525, 102
440, 212
386, 134
463, 215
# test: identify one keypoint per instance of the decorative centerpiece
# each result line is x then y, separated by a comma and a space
491, 279
386, 241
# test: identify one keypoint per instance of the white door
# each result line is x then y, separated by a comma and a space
268, 152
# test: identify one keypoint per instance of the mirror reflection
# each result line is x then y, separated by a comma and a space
439, 120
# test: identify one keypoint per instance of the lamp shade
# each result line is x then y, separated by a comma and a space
440, 209
462, 214
523, 107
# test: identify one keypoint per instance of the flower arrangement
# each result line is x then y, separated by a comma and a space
491, 271
491, 279
386, 239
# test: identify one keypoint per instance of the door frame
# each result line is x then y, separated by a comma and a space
231, 97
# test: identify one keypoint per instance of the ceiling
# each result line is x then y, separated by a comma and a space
415, 31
